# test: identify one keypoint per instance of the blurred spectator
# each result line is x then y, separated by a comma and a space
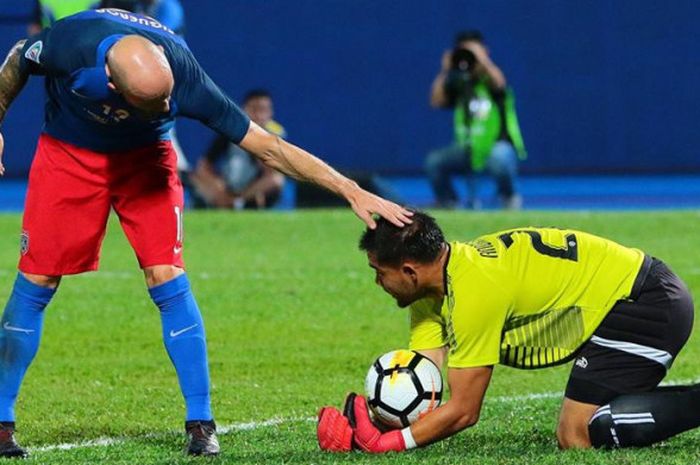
47, 12
487, 134
168, 12
229, 177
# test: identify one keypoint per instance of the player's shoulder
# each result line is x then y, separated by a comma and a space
87, 29
482, 251
77, 33
106, 21
526, 235
478, 268
58, 49
461, 266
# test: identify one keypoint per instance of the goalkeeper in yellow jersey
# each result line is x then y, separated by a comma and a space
532, 298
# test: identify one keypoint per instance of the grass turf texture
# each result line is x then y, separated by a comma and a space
293, 321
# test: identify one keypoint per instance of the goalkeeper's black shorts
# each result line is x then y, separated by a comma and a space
635, 345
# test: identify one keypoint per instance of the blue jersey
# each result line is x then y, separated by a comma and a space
83, 111
168, 13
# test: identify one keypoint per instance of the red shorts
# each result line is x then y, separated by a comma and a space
71, 191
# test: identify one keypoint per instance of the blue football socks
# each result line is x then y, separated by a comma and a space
20, 332
185, 342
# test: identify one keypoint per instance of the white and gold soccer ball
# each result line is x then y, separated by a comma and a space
402, 386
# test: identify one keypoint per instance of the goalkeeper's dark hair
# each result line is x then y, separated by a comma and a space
421, 241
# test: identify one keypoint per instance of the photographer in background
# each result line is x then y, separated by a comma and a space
487, 134
47, 12
229, 177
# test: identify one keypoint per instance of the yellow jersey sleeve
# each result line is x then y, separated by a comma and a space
427, 328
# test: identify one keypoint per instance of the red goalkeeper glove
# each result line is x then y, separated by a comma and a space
334, 432
368, 437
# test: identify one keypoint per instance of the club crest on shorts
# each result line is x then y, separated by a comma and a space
24, 243
581, 362
34, 52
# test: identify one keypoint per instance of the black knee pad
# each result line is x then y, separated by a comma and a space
639, 420
601, 429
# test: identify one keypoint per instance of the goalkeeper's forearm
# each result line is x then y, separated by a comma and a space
442, 423
12, 79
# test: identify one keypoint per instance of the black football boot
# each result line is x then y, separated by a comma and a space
8, 445
202, 437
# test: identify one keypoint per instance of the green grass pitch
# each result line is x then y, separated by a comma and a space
293, 321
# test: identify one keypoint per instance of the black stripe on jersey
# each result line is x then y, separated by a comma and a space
569, 253
524, 357
507, 239
444, 268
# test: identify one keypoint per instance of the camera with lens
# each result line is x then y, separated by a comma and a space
459, 78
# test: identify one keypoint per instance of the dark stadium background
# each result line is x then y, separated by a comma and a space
601, 87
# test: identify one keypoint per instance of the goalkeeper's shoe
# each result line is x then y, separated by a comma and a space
202, 438
8, 445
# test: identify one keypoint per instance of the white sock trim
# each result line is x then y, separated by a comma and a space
408, 438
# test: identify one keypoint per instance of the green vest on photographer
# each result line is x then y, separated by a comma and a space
477, 124
53, 10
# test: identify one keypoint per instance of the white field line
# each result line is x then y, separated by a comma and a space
107, 441
254, 425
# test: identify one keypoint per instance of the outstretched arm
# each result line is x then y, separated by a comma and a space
296, 162
198, 97
12, 80
467, 389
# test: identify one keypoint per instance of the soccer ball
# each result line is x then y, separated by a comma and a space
402, 386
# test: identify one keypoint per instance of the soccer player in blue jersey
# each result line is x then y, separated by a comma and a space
115, 82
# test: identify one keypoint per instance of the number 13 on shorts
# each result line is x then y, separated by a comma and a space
180, 232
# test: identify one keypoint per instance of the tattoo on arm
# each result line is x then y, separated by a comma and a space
12, 79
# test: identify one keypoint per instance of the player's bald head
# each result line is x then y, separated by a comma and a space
140, 71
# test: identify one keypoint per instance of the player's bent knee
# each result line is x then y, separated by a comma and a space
572, 437
159, 274
51, 282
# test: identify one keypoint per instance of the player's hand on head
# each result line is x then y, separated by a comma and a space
365, 204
